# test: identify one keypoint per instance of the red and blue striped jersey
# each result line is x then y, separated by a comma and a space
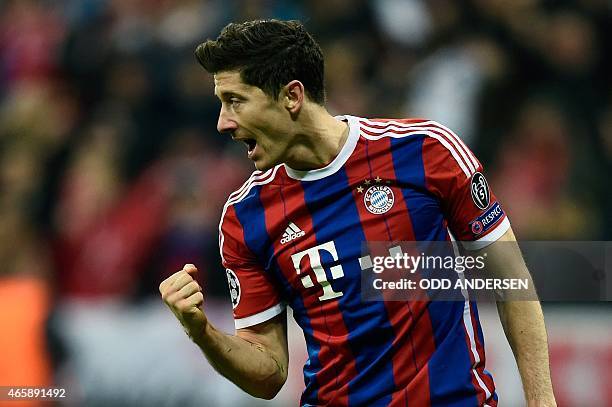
294, 238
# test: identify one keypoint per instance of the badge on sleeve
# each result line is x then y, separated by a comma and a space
480, 191
234, 287
487, 220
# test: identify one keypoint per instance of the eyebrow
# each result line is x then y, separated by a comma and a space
229, 94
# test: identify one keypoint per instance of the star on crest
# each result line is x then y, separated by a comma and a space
367, 182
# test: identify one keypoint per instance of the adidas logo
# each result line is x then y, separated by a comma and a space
292, 232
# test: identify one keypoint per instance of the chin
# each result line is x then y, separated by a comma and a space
265, 164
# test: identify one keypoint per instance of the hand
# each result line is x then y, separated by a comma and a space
183, 295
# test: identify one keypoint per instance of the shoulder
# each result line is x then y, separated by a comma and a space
257, 179
403, 128
440, 145
232, 225
245, 193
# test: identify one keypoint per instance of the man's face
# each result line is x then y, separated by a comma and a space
252, 117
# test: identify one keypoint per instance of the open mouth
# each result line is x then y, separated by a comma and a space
250, 143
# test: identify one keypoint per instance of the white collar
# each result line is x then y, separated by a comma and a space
338, 162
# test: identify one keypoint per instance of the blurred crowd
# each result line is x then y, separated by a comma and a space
112, 174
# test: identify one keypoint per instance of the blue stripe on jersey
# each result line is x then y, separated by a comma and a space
478, 328
335, 218
449, 368
423, 207
250, 211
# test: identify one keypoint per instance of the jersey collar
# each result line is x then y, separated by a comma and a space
338, 162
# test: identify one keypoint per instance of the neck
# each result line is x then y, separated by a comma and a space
319, 139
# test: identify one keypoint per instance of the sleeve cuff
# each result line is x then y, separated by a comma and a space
490, 237
260, 317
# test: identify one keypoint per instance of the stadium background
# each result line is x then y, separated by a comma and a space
112, 175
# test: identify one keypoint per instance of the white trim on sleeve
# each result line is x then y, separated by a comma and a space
260, 317
491, 237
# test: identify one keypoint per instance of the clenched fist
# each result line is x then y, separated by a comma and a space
183, 295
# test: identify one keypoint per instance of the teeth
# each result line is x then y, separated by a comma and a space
250, 143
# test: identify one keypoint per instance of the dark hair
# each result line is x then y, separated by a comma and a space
269, 54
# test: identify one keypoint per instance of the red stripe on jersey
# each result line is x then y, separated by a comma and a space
458, 142
287, 204
371, 160
437, 172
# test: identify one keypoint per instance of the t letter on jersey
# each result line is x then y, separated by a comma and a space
315, 262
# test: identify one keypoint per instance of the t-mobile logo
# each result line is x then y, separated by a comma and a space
315, 262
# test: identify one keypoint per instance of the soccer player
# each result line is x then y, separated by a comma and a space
292, 235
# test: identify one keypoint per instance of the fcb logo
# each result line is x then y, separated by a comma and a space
378, 199
234, 287
480, 191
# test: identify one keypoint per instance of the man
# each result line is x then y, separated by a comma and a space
292, 234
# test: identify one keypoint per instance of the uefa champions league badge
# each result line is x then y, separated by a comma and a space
234, 287
480, 191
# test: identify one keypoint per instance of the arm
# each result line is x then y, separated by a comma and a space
523, 323
255, 359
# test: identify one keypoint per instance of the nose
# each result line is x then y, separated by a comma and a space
225, 124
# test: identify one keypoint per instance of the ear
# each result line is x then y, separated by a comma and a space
292, 95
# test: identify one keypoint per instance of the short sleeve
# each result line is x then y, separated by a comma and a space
255, 299
456, 177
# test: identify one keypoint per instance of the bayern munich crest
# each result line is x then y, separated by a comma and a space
378, 199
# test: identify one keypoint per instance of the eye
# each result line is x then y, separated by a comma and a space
235, 102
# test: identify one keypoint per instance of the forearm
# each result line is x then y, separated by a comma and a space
523, 324
249, 365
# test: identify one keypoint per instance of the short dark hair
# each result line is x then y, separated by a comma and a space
269, 54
